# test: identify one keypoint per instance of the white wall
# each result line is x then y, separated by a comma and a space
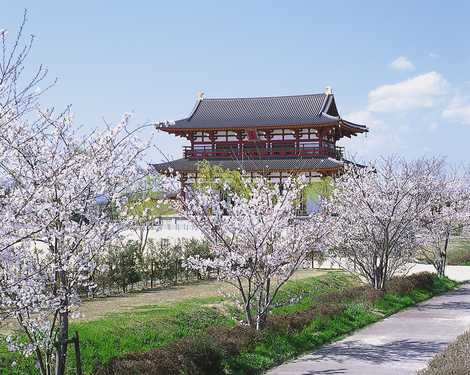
173, 229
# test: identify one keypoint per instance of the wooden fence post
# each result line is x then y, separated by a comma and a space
78, 360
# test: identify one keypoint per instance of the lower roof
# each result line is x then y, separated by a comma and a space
258, 165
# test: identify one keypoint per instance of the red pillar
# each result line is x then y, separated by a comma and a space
212, 139
320, 142
240, 143
268, 135
297, 140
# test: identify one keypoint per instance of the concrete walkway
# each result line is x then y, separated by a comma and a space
457, 273
400, 344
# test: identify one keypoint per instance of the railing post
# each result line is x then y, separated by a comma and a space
78, 360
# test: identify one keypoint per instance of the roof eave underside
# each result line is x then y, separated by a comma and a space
352, 127
262, 165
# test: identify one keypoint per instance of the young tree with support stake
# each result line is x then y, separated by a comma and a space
72, 187
256, 238
59, 192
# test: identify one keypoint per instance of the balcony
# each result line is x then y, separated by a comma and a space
234, 152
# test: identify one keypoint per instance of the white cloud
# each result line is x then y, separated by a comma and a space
382, 138
422, 91
457, 111
433, 55
364, 117
402, 63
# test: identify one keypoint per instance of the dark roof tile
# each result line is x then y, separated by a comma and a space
188, 165
261, 111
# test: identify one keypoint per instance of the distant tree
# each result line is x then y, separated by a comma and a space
321, 189
150, 262
315, 192
448, 213
378, 212
218, 178
164, 260
123, 265
193, 249
146, 205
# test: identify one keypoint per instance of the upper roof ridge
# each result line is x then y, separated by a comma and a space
266, 97
263, 111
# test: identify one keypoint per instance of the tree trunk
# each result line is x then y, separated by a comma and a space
249, 318
440, 266
61, 355
379, 279
261, 321
263, 300
441, 263
78, 358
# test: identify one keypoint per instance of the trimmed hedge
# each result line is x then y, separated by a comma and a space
206, 355
455, 360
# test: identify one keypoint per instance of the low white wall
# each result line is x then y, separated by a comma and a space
173, 229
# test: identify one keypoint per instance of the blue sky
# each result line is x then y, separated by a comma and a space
402, 67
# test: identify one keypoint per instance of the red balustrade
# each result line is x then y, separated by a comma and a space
258, 153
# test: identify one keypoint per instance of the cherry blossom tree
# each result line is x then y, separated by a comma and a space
18, 92
73, 186
256, 238
60, 194
449, 211
19, 95
378, 211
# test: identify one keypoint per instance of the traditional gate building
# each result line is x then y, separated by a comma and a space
270, 136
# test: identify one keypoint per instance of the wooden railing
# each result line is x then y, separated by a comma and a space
260, 153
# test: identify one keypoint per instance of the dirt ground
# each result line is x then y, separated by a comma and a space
95, 308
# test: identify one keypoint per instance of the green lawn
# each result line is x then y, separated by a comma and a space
154, 326
158, 325
140, 330
459, 252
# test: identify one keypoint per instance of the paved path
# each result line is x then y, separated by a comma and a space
458, 273
400, 344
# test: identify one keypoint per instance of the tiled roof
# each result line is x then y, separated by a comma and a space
188, 165
261, 111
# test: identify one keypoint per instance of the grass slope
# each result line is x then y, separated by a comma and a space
278, 347
155, 326
459, 252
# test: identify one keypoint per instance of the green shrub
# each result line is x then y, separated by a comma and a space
188, 356
298, 320
363, 293
234, 340
404, 285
